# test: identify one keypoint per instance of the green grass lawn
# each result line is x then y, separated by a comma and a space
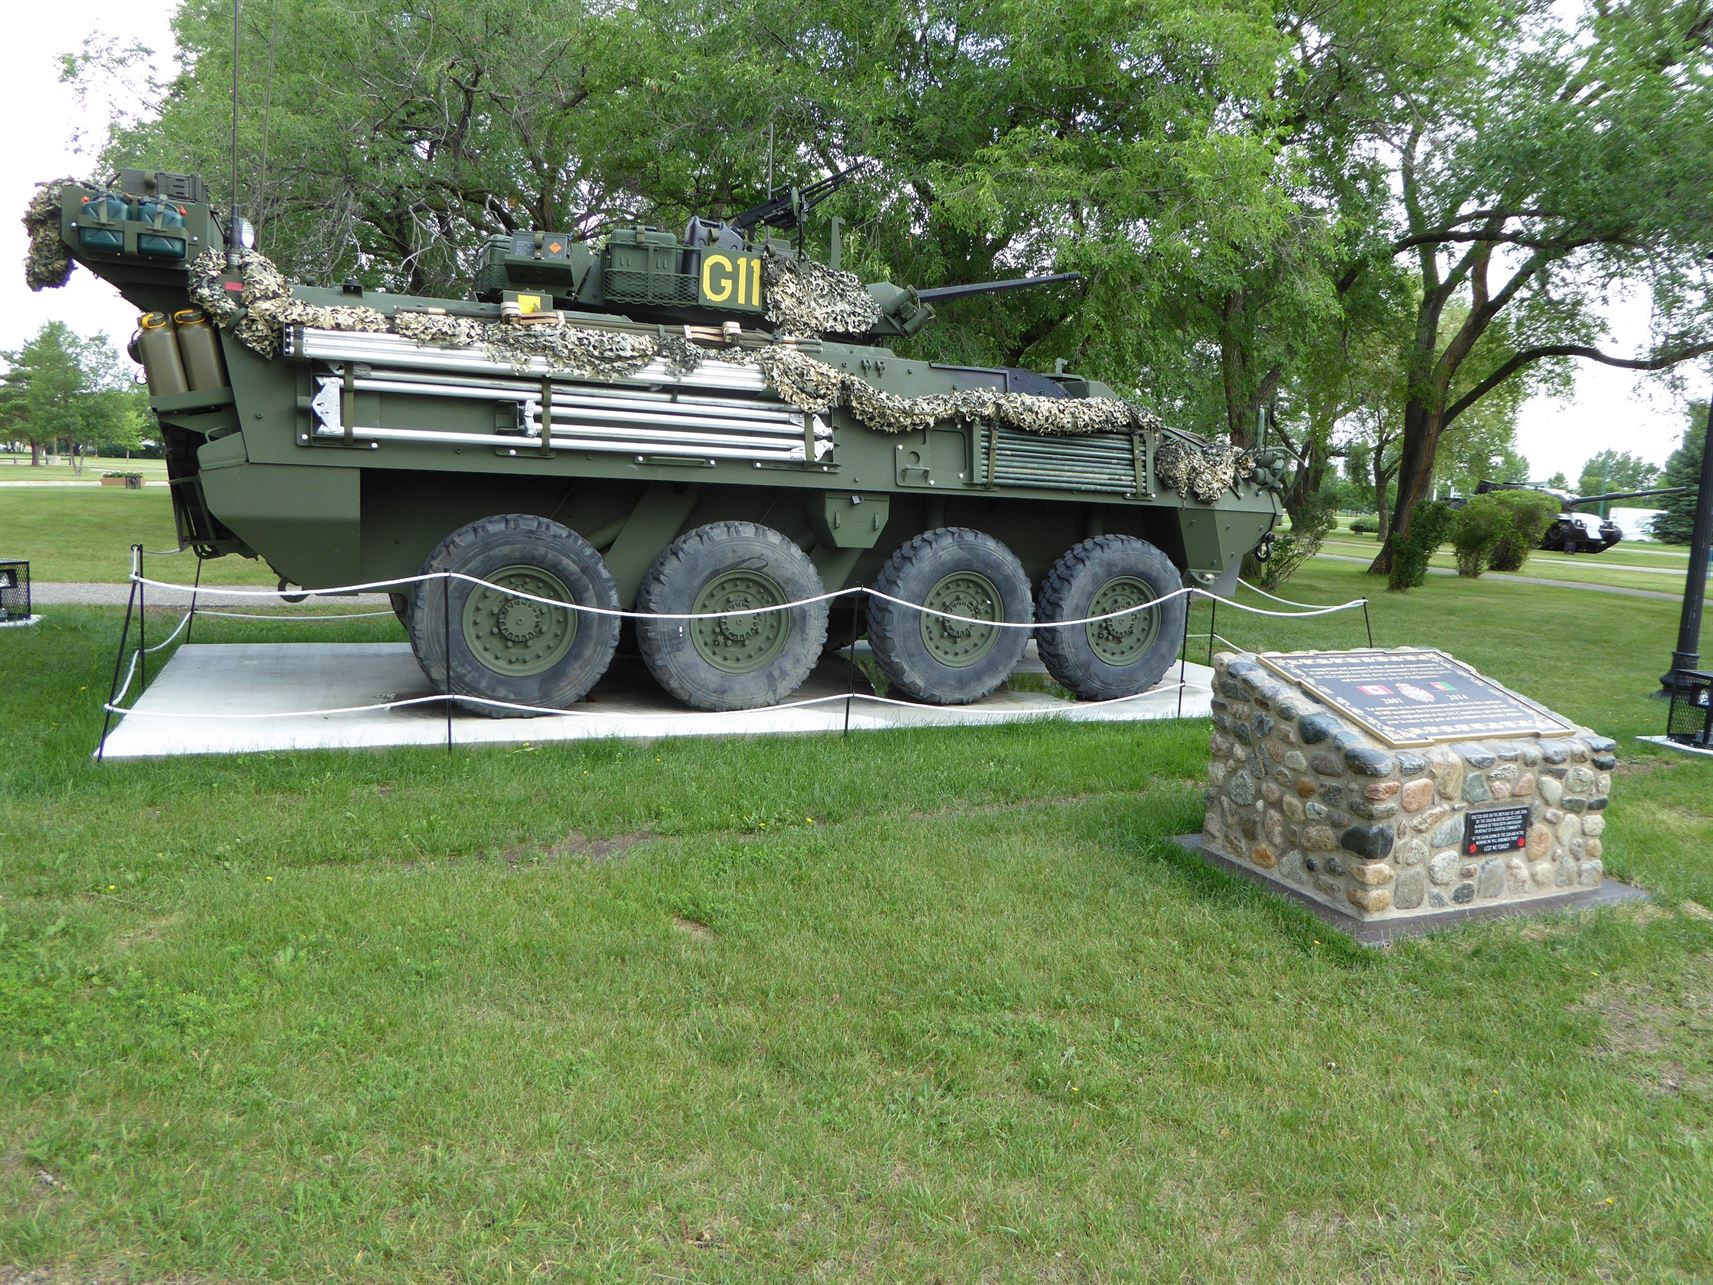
86, 533
1662, 574
17, 468
939, 1004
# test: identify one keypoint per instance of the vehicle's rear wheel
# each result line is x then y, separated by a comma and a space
946, 655
504, 645
1123, 655
727, 662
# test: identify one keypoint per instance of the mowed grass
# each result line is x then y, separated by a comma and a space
85, 534
1660, 568
933, 1004
17, 468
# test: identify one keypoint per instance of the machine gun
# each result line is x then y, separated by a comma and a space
786, 205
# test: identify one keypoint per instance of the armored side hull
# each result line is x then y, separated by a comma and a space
356, 455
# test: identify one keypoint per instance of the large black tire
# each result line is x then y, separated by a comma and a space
731, 662
509, 648
1118, 657
963, 573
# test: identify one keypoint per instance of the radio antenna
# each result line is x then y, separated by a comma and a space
232, 214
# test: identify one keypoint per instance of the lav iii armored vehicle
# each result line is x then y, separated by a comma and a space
697, 427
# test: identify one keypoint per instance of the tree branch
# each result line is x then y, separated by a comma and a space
1527, 356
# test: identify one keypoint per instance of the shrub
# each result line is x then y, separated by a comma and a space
1366, 526
1530, 513
1476, 529
1297, 545
1428, 527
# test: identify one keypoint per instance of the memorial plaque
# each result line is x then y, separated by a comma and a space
1496, 830
1414, 696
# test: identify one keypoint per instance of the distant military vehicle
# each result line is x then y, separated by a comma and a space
705, 427
1573, 532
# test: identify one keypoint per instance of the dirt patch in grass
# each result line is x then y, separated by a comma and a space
145, 933
695, 927
1661, 1029
577, 846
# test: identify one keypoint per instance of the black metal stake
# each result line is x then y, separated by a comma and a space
1367, 622
118, 664
142, 619
190, 622
446, 624
1184, 652
1687, 657
1212, 621
850, 667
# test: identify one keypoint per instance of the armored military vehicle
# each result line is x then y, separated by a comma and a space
706, 427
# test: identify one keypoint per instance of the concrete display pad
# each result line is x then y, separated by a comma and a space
1382, 932
188, 707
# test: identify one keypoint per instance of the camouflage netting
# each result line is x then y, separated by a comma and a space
815, 386
1204, 471
809, 298
257, 314
47, 264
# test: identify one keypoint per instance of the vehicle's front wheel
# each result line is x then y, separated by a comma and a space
738, 654
1115, 576
950, 653
506, 645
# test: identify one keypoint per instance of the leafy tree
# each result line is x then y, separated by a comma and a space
1537, 165
1418, 545
1615, 471
60, 388
1558, 482
1676, 522
1475, 529
1530, 513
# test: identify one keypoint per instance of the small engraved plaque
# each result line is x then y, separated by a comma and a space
1414, 696
1496, 830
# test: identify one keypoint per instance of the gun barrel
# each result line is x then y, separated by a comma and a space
1580, 500
993, 287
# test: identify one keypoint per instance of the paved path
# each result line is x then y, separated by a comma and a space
1621, 590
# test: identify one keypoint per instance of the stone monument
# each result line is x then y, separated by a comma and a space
1388, 785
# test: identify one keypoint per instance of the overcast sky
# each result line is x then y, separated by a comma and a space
1610, 408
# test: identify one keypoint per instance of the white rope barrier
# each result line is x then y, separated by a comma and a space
129, 675
1286, 601
1154, 604
177, 630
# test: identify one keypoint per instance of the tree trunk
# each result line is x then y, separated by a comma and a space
35, 453
1423, 423
1380, 510
1311, 473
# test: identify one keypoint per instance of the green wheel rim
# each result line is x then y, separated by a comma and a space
1124, 640
957, 643
514, 636
740, 644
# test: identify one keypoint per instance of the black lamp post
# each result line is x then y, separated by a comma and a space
1688, 653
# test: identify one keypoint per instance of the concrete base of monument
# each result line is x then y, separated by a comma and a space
246, 698
1665, 742
1380, 932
